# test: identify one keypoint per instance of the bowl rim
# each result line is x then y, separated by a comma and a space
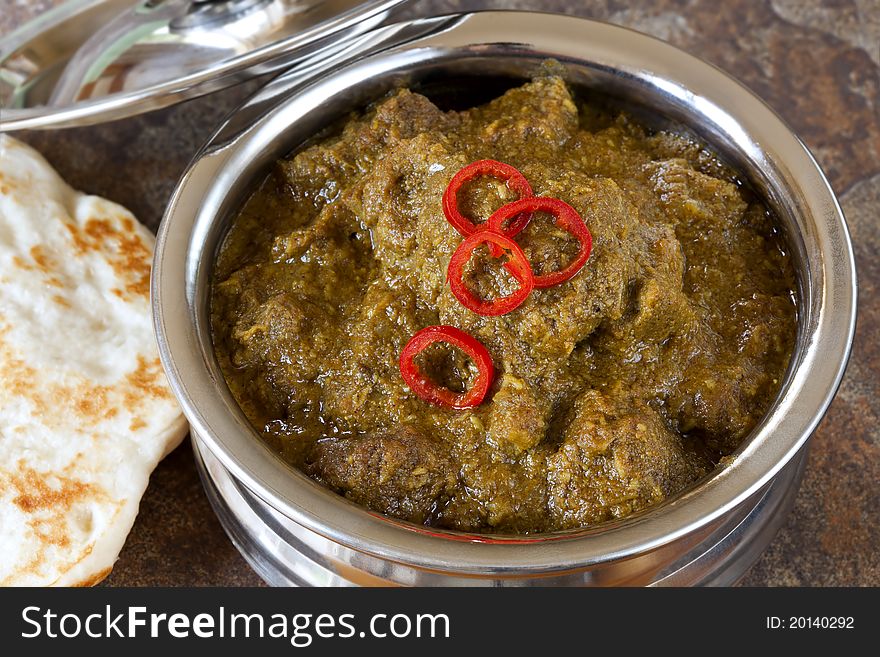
826, 322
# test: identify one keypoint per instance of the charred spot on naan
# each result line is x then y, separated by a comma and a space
97, 578
19, 376
35, 492
50, 501
146, 379
87, 402
42, 262
131, 260
21, 264
45, 262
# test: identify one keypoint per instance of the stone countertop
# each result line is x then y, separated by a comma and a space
817, 63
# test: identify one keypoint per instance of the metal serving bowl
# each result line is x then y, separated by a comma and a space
294, 531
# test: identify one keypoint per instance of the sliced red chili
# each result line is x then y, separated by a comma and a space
517, 264
565, 217
427, 389
514, 179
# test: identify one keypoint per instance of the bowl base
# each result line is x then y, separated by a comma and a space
284, 553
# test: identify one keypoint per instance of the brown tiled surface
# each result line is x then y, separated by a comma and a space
817, 62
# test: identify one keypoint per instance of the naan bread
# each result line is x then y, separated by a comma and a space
85, 410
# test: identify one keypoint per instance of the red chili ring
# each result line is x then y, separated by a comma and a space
514, 179
566, 217
518, 265
440, 396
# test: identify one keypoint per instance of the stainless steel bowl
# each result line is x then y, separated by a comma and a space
292, 530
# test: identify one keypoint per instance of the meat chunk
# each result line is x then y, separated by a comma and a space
312, 174
537, 118
399, 202
401, 473
517, 415
366, 390
288, 330
545, 329
725, 392
658, 306
510, 497
614, 460
693, 198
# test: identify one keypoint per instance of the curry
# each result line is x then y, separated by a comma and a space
612, 389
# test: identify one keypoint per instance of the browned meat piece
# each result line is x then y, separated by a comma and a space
517, 416
313, 174
535, 119
364, 389
658, 307
723, 394
535, 337
614, 460
701, 201
403, 474
509, 497
288, 330
399, 201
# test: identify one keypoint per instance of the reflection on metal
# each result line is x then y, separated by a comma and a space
90, 62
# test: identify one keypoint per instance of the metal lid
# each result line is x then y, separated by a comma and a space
91, 61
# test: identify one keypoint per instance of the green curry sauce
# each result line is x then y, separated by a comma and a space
613, 390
